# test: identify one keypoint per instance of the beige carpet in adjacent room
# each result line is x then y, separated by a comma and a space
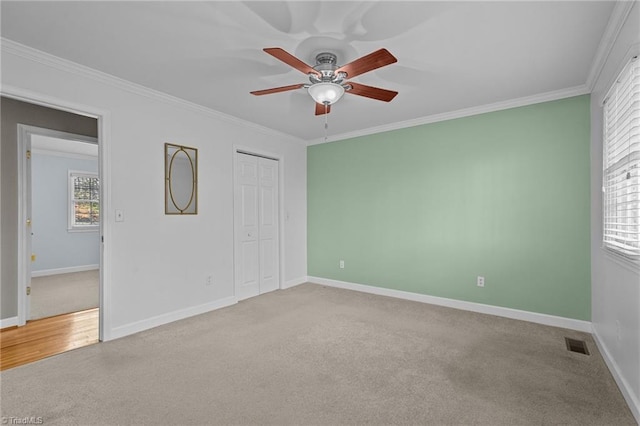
60, 294
318, 355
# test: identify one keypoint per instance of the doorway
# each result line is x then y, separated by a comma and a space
256, 225
20, 106
59, 246
65, 225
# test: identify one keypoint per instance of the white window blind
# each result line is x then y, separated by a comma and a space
621, 181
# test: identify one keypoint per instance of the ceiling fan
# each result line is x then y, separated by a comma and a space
328, 79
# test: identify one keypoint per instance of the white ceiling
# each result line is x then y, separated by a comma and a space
451, 55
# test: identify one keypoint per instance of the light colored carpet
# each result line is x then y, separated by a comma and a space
318, 355
60, 294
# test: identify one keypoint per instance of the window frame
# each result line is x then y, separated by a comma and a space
616, 254
72, 226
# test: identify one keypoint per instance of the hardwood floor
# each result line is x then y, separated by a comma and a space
46, 337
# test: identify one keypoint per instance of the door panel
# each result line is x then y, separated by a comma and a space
250, 261
247, 282
249, 205
29, 231
266, 207
266, 259
269, 259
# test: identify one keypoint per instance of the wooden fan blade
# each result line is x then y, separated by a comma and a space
276, 89
290, 60
320, 109
371, 92
370, 62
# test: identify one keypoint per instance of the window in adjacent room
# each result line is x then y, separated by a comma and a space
621, 162
84, 201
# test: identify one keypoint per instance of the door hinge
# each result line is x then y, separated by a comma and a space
33, 257
28, 291
28, 154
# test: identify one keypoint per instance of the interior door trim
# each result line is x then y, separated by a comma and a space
103, 117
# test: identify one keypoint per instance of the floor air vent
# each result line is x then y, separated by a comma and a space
579, 346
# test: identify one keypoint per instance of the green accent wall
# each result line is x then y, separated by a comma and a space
427, 209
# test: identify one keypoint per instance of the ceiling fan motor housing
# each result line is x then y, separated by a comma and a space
326, 65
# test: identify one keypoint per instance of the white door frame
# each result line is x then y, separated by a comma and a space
24, 207
281, 212
104, 149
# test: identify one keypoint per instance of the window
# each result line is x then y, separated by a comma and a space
84, 201
621, 162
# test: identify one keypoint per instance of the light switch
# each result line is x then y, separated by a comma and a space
119, 215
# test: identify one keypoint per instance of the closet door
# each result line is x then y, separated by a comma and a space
256, 218
269, 247
247, 279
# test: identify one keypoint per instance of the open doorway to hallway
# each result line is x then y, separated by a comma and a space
65, 224
51, 232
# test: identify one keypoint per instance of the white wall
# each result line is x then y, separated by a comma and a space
615, 286
157, 264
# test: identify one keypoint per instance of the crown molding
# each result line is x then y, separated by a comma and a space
35, 55
466, 112
617, 19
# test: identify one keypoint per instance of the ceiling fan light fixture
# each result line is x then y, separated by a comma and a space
326, 92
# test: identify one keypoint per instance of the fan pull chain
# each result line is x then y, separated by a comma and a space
326, 120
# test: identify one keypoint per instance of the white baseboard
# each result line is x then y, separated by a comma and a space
545, 319
58, 271
8, 322
295, 282
159, 320
633, 400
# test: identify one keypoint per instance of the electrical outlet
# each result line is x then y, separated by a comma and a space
342, 264
480, 281
209, 280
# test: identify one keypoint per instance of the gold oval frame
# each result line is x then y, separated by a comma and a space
170, 153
